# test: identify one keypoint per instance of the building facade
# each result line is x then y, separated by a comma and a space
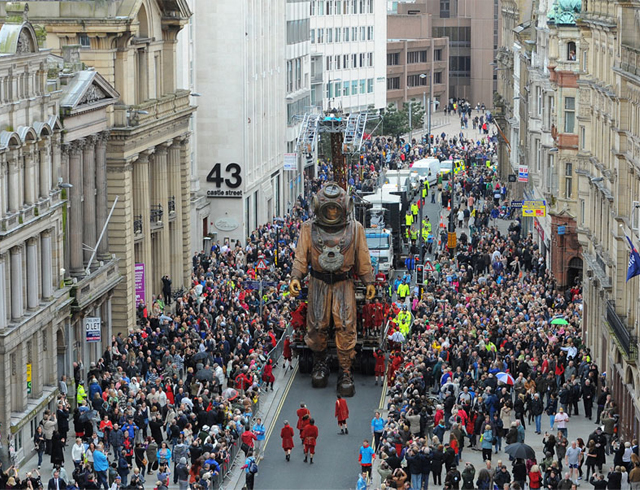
417, 63
132, 45
351, 37
242, 134
298, 92
608, 130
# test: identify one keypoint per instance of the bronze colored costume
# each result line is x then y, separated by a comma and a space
336, 249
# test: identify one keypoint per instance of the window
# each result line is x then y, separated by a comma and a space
84, 40
393, 59
539, 99
320, 36
329, 35
363, 33
363, 86
337, 88
370, 33
345, 33
571, 51
458, 36
369, 59
345, 61
371, 6
338, 58
361, 6
354, 61
298, 74
338, 7
289, 76
582, 212
445, 9
361, 60
354, 87
538, 148
416, 81
313, 36
437, 77
569, 114
354, 34
460, 66
345, 89
437, 55
584, 60
583, 136
393, 83
337, 36
330, 6
369, 85
568, 180
320, 7
417, 57
312, 10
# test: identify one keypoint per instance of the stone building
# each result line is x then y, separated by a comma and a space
132, 44
34, 302
608, 129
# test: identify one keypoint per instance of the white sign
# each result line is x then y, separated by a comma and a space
291, 161
92, 328
523, 173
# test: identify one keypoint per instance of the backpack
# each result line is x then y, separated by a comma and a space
253, 467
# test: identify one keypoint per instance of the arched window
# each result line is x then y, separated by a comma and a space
571, 51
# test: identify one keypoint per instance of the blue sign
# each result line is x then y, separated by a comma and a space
516, 204
562, 230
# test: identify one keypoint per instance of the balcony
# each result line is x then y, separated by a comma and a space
156, 214
627, 342
152, 111
137, 224
10, 222
316, 78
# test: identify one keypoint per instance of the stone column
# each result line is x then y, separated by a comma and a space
75, 207
162, 260
47, 273
89, 190
3, 196
56, 159
45, 168
14, 182
16, 283
143, 208
29, 176
102, 205
3, 293
175, 191
32, 274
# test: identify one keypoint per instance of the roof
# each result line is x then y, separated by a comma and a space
87, 89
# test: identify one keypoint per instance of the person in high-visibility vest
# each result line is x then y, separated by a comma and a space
414, 211
403, 320
403, 290
424, 193
408, 221
414, 234
81, 394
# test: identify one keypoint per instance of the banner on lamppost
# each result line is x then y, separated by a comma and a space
139, 284
28, 379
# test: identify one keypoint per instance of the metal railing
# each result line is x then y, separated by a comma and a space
137, 224
172, 204
225, 469
627, 341
156, 213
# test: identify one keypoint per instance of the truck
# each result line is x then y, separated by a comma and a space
385, 212
380, 243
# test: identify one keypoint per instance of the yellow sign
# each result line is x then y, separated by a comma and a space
537, 209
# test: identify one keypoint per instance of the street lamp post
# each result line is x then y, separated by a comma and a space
428, 108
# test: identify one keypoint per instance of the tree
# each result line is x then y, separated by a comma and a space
396, 122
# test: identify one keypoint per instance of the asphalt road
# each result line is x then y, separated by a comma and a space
336, 460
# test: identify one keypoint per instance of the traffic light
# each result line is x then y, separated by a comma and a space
419, 273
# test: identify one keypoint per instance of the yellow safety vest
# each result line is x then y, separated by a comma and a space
414, 235
404, 322
424, 192
403, 290
408, 219
414, 209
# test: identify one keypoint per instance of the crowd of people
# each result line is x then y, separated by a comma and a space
171, 399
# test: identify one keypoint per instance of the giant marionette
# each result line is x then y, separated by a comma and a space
332, 248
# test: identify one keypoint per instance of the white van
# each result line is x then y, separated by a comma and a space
427, 167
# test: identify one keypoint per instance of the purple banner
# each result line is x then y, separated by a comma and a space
139, 283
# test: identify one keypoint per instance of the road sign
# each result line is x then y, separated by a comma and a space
523, 173
562, 230
537, 208
516, 204
261, 264
92, 329
428, 266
